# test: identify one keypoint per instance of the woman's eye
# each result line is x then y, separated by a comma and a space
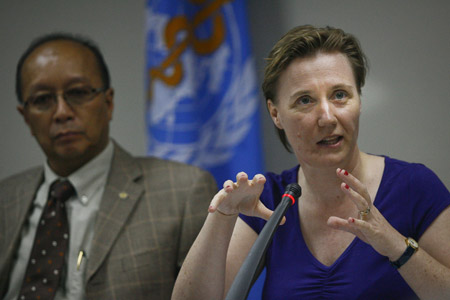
340, 95
304, 100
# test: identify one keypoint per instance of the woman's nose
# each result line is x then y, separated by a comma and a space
326, 114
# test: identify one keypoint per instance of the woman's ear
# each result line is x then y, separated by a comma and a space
360, 105
273, 111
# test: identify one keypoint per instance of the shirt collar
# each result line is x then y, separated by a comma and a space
89, 177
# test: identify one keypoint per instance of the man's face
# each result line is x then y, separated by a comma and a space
69, 135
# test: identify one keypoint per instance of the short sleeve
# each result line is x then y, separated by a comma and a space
431, 196
273, 190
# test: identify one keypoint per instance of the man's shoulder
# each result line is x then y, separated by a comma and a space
156, 162
149, 162
154, 166
159, 169
22, 176
22, 179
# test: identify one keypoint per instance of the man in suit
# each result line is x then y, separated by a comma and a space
131, 220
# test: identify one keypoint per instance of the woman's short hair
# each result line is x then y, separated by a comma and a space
307, 40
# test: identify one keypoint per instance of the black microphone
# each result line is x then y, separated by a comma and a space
252, 264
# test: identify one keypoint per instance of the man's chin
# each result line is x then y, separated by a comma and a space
66, 161
69, 150
70, 154
76, 152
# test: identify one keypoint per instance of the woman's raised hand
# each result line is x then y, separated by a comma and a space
371, 227
241, 196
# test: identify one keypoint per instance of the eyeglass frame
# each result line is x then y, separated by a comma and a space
94, 91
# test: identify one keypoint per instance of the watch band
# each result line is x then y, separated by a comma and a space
411, 248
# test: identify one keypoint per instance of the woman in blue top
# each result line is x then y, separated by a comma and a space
365, 227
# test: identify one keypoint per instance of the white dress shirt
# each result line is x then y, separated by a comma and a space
89, 182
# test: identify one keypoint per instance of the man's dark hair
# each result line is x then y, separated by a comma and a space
84, 41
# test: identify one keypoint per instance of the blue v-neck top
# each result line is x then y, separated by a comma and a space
410, 197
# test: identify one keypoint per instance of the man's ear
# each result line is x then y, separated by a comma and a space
21, 109
109, 98
273, 111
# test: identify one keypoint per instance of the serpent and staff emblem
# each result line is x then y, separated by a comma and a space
202, 87
202, 46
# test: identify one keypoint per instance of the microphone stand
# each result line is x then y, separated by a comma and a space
247, 273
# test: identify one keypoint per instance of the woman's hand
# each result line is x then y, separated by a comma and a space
371, 227
241, 196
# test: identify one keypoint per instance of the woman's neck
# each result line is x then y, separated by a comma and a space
323, 185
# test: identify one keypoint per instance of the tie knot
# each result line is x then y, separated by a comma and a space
61, 190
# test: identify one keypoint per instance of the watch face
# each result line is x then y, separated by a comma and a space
413, 243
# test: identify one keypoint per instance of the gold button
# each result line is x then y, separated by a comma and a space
123, 195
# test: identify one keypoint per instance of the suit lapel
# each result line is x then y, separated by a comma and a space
118, 201
16, 211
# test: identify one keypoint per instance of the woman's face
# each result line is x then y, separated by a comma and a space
318, 107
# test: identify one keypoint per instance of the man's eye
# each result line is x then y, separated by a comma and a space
42, 100
78, 92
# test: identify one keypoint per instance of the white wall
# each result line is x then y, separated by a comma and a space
405, 105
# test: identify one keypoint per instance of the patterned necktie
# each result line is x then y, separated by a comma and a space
43, 273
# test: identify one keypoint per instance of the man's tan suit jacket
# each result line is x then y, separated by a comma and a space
150, 214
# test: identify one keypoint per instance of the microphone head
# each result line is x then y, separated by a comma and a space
294, 189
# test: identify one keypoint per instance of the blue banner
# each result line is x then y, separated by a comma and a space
203, 92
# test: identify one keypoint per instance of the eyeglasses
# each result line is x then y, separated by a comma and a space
74, 97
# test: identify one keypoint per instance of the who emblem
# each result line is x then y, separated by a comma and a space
202, 88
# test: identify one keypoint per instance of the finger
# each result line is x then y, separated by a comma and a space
351, 225
360, 202
258, 183
258, 179
241, 177
355, 184
228, 186
341, 224
338, 223
359, 226
262, 211
216, 200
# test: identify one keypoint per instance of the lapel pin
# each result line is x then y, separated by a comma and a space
123, 195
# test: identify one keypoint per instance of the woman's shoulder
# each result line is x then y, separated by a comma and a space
401, 164
411, 170
411, 175
285, 177
414, 188
276, 185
